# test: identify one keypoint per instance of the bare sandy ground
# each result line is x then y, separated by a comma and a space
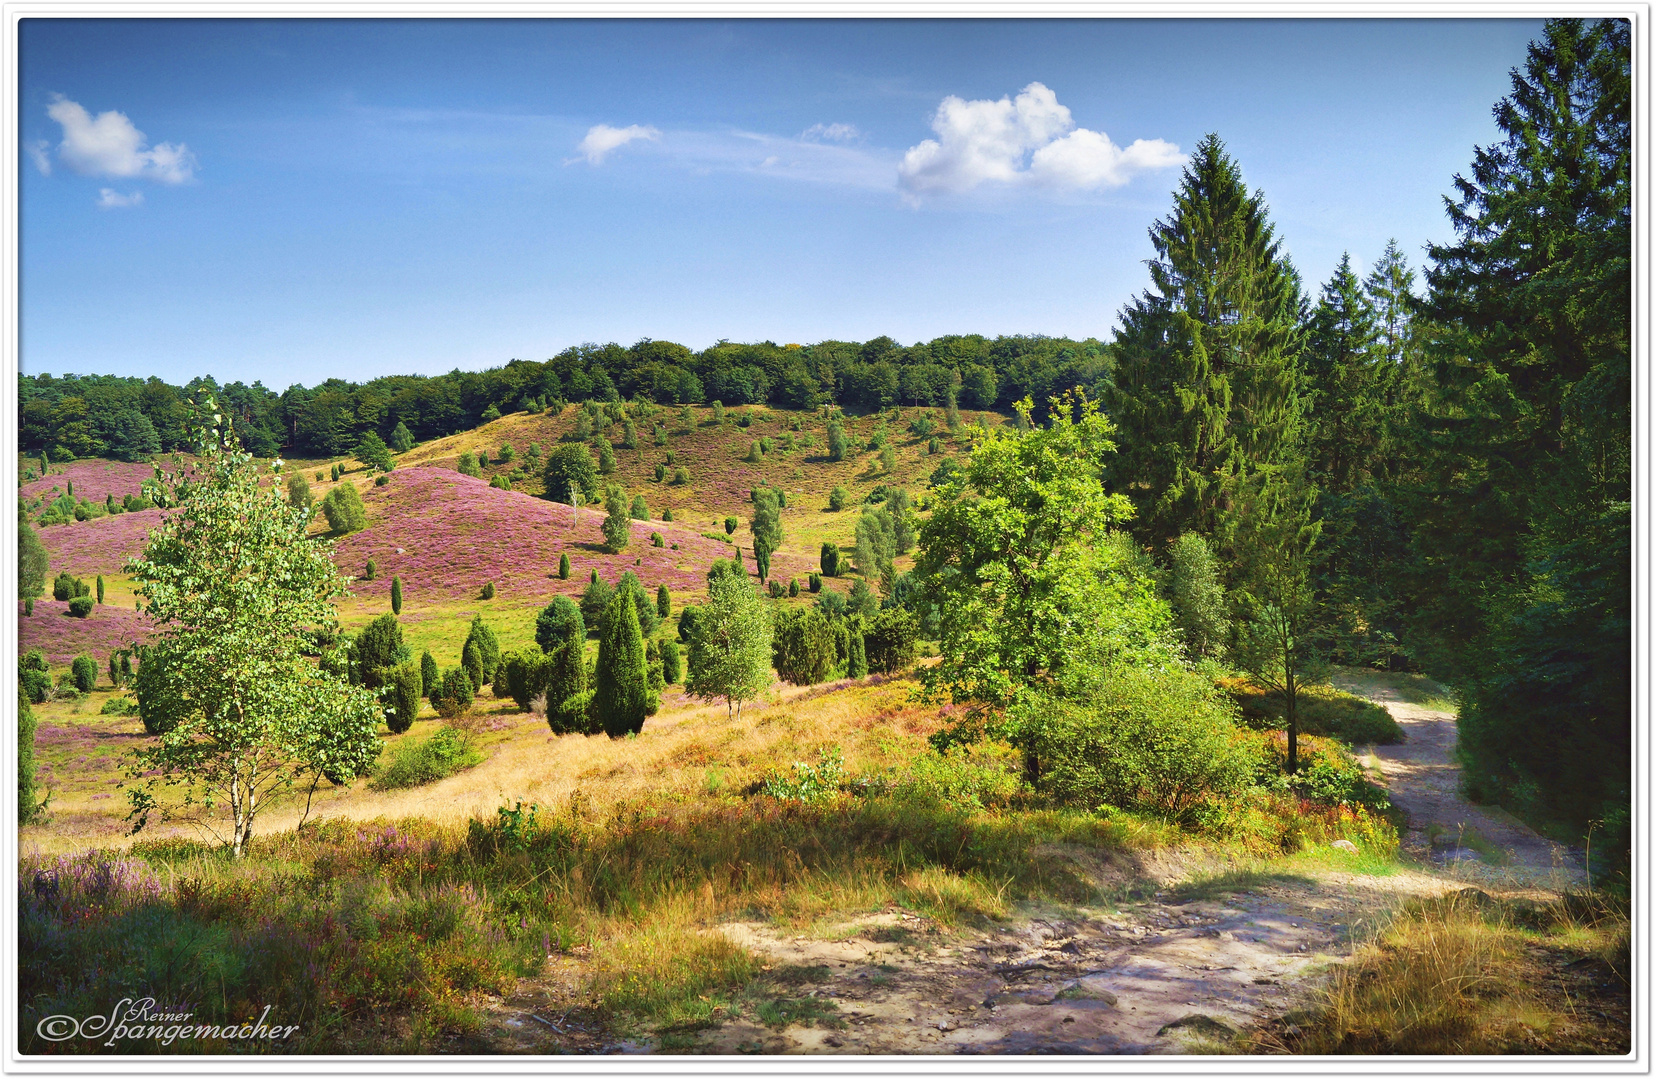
1191, 967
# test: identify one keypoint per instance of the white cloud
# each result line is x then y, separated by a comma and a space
1022, 140
601, 139
108, 145
42, 160
832, 132
110, 199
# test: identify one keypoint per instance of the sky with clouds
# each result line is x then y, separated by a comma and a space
292, 201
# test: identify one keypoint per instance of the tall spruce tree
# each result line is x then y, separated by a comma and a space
1520, 519
1206, 383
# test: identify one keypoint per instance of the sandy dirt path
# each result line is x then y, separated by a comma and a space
1477, 843
1196, 963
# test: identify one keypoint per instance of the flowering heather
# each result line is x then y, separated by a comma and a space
92, 880
62, 637
99, 546
93, 479
445, 534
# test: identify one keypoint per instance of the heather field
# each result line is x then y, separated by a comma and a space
93, 478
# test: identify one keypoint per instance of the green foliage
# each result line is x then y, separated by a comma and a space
235, 590
454, 694
28, 805
888, 459
793, 587
402, 440
488, 592
1009, 555
81, 607
33, 678
119, 706
83, 672
372, 451
447, 751
664, 601
856, 659
802, 646
861, 600
471, 659
672, 669
67, 587
1278, 634
568, 701
890, 639
606, 457
557, 620
570, 467
809, 782
1206, 381
428, 673
730, 524
621, 699
731, 651
837, 499
31, 562
1520, 520
617, 522
379, 648
343, 508
643, 606
681, 476
836, 441
814, 579
403, 685
527, 673
767, 529
563, 566
396, 595
639, 510
488, 650
1161, 741
595, 599
507, 454
876, 544
1197, 596
667, 515
467, 465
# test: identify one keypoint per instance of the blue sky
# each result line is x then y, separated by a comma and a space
293, 201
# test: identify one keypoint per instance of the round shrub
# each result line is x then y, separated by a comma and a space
81, 606
343, 508
681, 475
488, 590
667, 515
84, 672
838, 498
1166, 742
730, 524
455, 693
656, 540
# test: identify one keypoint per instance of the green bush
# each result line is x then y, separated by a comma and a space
445, 753
119, 706
639, 510
671, 668
838, 498
890, 639
81, 606
973, 776
1164, 742
667, 514
67, 587
488, 592
527, 674
814, 581
83, 672
454, 693
730, 524
807, 782
343, 508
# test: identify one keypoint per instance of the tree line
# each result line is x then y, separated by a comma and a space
72, 416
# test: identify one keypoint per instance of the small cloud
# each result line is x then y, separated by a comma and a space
108, 145
37, 154
110, 199
772, 160
831, 132
1030, 139
601, 139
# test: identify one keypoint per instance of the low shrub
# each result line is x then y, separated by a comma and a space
807, 782
119, 706
81, 606
445, 753
1165, 742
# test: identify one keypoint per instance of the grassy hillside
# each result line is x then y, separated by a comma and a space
447, 534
